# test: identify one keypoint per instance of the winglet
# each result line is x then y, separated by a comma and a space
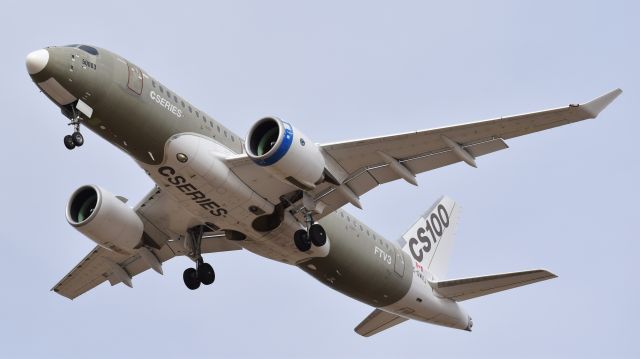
595, 106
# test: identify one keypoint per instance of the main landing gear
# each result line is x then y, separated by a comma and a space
75, 139
314, 234
203, 272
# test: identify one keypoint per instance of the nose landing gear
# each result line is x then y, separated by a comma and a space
203, 273
75, 139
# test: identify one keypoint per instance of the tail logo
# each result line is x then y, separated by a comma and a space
429, 234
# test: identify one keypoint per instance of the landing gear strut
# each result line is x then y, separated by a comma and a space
314, 234
75, 139
203, 272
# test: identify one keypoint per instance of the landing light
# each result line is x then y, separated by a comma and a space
181, 157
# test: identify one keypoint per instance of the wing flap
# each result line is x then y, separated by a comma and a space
431, 161
370, 177
378, 321
468, 288
86, 275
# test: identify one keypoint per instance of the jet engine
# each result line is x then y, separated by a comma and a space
105, 219
286, 153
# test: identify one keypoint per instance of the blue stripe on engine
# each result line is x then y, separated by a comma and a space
282, 150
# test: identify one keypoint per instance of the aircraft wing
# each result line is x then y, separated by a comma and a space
366, 163
421, 151
165, 228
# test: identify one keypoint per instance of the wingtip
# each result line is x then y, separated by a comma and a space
550, 274
595, 106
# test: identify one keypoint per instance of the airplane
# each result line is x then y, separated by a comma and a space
276, 193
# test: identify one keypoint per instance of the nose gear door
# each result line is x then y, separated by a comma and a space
135, 81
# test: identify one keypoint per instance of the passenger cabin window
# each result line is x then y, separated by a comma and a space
182, 102
190, 110
161, 89
197, 114
153, 83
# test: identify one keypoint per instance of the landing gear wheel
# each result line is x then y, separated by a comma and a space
206, 275
301, 240
68, 142
78, 140
191, 279
317, 235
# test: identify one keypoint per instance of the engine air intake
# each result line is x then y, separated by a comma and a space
286, 153
269, 140
83, 204
105, 219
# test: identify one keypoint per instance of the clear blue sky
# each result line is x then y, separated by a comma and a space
565, 200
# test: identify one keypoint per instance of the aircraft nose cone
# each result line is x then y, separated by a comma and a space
37, 61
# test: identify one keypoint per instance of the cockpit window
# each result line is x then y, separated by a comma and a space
89, 49
74, 45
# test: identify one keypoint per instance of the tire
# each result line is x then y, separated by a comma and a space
317, 235
301, 240
78, 139
68, 142
190, 277
206, 275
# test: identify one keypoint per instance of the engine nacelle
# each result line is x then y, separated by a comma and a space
285, 152
105, 219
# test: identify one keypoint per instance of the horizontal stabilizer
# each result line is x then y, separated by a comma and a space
378, 321
468, 288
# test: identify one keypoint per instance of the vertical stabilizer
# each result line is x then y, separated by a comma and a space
430, 239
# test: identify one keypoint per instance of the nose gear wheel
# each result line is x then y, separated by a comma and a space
68, 142
77, 138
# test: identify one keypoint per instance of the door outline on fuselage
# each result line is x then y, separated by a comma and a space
135, 82
398, 265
